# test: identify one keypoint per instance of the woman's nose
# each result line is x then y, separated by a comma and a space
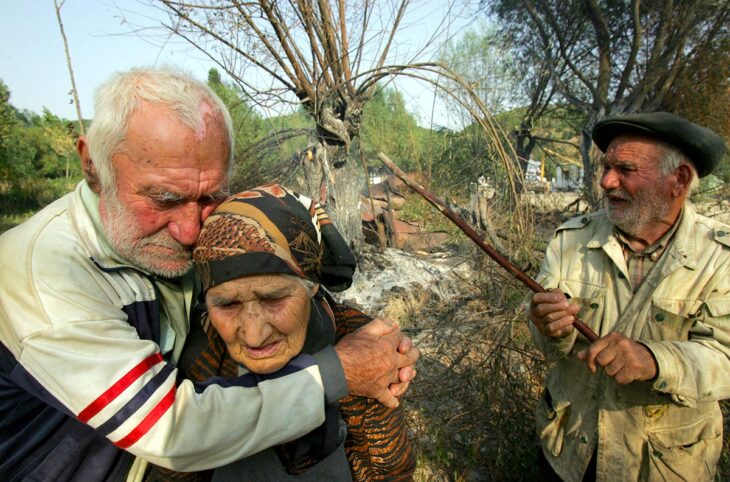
256, 329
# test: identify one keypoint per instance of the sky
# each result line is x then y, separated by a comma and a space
102, 41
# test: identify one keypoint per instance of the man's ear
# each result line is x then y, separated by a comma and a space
684, 179
87, 165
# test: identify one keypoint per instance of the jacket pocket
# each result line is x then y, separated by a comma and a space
670, 319
718, 306
688, 452
589, 297
551, 416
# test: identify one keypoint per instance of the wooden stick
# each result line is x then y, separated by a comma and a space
493, 253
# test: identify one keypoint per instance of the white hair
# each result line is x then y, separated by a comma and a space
309, 286
116, 99
673, 158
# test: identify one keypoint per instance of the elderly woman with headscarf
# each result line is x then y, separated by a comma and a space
266, 258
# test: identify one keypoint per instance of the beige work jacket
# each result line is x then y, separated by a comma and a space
664, 430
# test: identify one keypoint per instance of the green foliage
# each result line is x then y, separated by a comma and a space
248, 127
480, 59
8, 114
464, 156
247, 123
300, 123
271, 157
38, 159
387, 126
417, 209
557, 133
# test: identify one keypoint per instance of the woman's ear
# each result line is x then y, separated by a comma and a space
87, 165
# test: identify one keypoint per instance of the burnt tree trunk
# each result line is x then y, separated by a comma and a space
524, 145
333, 180
329, 175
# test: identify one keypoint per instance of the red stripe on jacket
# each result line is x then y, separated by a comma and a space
148, 421
122, 384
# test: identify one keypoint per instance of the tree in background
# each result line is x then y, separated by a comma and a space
485, 64
701, 93
388, 126
325, 56
74, 91
8, 116
248, 126
38, 160
491, 68
612, 56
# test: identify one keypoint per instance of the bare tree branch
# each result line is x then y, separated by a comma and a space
74, 91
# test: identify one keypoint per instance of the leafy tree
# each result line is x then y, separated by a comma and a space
388, 126
8, 114
487, 65
484, 63
38, 161
15, 152
247, 123
248, 126
701, 93
610, 56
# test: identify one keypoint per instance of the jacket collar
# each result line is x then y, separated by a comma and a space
682, 246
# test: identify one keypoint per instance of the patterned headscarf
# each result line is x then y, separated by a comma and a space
270, 229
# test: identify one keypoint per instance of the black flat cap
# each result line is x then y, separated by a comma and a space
702, 146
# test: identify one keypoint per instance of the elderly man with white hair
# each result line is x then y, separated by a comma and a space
98, 298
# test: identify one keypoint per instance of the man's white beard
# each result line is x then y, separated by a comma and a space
635, 216
122, 232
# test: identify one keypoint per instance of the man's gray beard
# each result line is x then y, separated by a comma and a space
120, 229
637, 215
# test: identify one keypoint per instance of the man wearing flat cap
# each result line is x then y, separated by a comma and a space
652, 278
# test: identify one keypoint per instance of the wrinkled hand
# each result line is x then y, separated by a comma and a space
376, 356
552, 314
621, 358
408, 373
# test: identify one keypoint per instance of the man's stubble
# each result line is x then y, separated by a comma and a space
122, 232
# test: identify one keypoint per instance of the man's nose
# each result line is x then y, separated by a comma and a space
609, 180
186, 222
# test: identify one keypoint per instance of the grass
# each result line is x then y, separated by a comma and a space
10, 220
20, 200
471, 407
418, 210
